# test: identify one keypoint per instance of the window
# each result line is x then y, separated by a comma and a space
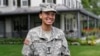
20, 23
3, 2
57, 21
14, 2
66, 3
23, 3
2, 28
0, 2
19, 26
36, 21
49, 1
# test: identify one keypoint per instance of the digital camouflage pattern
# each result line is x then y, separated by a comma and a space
39, 45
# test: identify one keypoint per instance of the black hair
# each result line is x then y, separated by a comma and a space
40, 12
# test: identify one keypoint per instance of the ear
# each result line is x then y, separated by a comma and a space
40, 15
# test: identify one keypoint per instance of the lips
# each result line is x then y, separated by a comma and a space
49, 20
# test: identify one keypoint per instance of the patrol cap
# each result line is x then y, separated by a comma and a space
48, 7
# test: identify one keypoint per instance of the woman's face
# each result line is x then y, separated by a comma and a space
47, 18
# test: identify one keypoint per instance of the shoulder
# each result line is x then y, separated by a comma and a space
57, 30
35, 29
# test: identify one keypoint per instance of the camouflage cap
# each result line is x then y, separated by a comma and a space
48, 7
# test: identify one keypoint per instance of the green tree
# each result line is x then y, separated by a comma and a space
92, 5
86, 4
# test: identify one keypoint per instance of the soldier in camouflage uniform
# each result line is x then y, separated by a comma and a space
46, 40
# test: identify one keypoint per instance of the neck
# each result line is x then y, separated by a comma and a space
46, 27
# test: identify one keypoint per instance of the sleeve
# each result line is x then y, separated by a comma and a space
65, 50
26, 51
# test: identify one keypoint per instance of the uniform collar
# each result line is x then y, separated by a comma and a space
41, 32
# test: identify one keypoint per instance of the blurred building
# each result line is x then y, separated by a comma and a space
18, 16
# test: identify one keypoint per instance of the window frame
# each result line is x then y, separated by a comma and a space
14, 2
20, 23
22, 4
3, 3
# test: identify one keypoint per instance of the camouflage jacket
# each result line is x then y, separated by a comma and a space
39, 45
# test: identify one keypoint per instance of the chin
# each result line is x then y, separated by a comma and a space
49, 24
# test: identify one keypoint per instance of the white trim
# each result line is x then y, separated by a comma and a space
1, 3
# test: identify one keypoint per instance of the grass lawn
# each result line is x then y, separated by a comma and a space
10, 50
15, 50
85, 50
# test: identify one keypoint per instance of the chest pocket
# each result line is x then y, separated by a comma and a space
39, 46
57, 42
40, 40
57, 45
39, 43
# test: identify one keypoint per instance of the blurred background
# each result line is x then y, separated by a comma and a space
79, 19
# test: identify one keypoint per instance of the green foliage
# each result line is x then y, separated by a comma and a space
91, 5
11, 41
83, 42
89, 40
92, 37
86, 3
71, 40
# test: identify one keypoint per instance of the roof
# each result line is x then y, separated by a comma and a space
83, 11
60, 8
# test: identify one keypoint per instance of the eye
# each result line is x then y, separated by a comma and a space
53, 14
47, 13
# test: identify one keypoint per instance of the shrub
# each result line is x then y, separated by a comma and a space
89, 40
72, 39
11, 41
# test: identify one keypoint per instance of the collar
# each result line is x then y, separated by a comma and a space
41, 33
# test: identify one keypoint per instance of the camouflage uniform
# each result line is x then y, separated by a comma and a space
39, 45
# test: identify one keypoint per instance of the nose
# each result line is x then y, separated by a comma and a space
51, 16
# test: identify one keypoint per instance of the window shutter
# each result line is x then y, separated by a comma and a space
43, 1
54, 1
18, 3
29, 2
